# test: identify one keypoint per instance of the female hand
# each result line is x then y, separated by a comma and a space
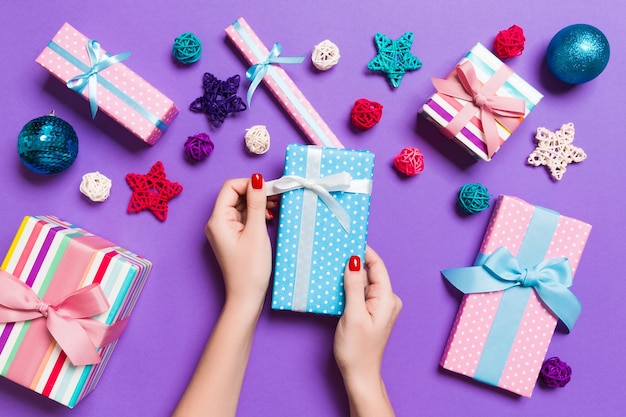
238, 235
362, 334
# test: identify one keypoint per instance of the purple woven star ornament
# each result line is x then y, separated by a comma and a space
219, 99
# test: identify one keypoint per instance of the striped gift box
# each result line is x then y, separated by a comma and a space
442, 109
121, 93
55, 258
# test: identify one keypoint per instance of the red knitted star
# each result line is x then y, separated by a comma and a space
152, 191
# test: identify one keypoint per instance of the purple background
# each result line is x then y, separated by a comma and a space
414, 222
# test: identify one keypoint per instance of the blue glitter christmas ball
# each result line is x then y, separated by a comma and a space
578, 53
47, 145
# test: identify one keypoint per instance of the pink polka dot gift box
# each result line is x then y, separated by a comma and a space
265, 66
515, 294
108, 84
324, 213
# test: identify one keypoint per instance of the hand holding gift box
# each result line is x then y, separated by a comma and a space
65, 298
108, 84
515, 294
323, 221
480, 103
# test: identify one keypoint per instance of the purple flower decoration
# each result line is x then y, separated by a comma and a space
555, 373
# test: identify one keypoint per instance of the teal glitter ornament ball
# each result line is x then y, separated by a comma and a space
187, 48
47, 145
473, 198
578, 53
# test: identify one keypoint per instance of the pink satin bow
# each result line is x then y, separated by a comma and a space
466, 86
68, 319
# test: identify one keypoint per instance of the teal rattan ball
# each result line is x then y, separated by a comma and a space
473, 198
187, 48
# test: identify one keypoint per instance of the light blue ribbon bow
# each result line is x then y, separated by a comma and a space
99, 61
256, 72
550, 279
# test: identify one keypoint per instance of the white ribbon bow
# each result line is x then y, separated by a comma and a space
320, 186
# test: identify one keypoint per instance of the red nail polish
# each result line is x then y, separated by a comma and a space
270, 214
354, 264
257, 181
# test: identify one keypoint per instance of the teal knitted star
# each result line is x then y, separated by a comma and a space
394, 57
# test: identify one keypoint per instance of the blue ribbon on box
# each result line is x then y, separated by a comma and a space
98, 63
518, 277
91, 77
256, 72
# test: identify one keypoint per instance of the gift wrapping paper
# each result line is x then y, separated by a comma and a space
121, 93
55, 258
282, 86
441, 109
312, 245
483, 343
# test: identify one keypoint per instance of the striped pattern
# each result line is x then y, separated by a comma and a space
282, 87
55, 258
442, 109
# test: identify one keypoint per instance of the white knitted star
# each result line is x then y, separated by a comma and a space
555, 150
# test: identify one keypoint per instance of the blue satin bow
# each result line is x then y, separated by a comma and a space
256, 72
501, 270
89, 78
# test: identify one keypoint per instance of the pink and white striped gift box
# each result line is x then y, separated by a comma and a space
55, 258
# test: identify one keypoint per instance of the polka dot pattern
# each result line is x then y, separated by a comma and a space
330, 245
122, 77
467, 340
283, 87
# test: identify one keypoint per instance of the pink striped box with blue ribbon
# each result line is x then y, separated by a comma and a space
480, 103
515, 294
323, 221
65, 298
266, 67
108, 84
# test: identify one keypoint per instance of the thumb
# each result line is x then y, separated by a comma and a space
256, 201
354, 286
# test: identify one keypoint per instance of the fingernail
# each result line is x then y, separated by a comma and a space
270, 214
354, 264
257, 181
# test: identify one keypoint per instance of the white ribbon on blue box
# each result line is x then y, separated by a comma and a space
323, 221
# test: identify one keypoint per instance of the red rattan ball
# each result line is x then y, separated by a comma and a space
365, 113
509, 42
409, 161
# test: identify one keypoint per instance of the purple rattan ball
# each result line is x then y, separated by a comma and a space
555, 373
199, 146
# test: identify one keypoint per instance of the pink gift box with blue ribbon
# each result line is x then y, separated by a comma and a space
515, 294
108, 84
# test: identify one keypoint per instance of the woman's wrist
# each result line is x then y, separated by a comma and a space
246, 309
367, 396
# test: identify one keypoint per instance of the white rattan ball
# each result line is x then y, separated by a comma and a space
325, 55
96, 186
257, 139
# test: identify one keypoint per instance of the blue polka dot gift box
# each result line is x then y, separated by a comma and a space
323, 221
